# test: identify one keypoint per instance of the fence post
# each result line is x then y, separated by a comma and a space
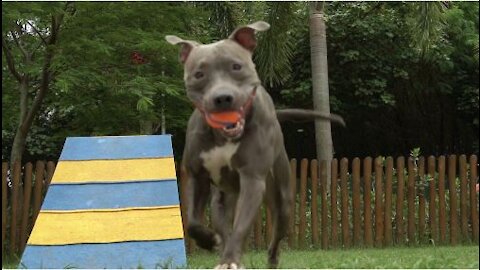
257, 233
400, 236
37, 190
314, 202
463, 196
17, 167
473, 196
411, 201
4, 204
441, 200
50, 172
293, 184
356, 200
303, 203
379, 218
452, 190
27, 186
183, 206
433, 195
388, 201
333, 202
367, 201
268, 225
421, 199
344, 190
323, 193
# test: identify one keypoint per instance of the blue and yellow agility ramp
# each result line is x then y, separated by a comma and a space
112, 203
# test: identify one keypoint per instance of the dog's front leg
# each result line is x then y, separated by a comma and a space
252, 189
199, 191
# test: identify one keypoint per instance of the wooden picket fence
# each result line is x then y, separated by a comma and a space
370, 203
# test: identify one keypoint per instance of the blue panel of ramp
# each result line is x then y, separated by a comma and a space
121, 147
151, 254
112, 195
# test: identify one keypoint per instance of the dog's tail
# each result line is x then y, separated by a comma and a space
298, 115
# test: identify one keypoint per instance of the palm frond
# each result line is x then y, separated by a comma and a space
223, 17
275, 47
428, 24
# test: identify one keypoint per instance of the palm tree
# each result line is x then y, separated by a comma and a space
274, 52
321, 96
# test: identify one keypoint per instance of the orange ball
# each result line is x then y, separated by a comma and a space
221, 119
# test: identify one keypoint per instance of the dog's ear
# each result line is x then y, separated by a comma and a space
187, 46
245, 35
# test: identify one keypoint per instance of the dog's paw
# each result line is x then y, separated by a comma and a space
204, 237
217, 239
229, 266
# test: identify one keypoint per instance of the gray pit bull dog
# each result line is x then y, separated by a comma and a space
234, 145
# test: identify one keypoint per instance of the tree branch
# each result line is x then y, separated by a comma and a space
36, 49
19, 45
38, 33
46, 73
10, 60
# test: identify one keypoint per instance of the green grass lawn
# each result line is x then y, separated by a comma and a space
418, 257
400, 257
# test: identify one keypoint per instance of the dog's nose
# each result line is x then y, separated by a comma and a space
223, 102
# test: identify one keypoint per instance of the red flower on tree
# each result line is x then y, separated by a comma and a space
137, 58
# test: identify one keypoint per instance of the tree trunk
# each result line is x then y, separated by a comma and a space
27, 115
163, 121
20, 134
321, 101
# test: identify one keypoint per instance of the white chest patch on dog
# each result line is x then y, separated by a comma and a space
218, 157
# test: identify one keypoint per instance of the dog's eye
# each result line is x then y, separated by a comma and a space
198, 75
236, 67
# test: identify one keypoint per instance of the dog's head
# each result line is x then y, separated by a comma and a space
220, 78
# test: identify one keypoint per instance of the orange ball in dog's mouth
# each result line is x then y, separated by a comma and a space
230, 122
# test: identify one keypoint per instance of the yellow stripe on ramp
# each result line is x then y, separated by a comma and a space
91, 171
63, 228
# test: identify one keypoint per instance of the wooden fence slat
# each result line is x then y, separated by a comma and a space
14, 207
257, 233
314, 202
400, 233
38, 190
345, 199
421, 199
452, 162
463, 196
473, 196
356, 201
442, 212
293, 184
27, 187
411, 202
379, 217
433, 195
268, 225
4, 204
333, 203
323, 193
303, 203
388, 201
183, 207
367, 201
50, 172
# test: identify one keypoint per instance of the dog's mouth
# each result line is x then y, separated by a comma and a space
229, 123
234, 130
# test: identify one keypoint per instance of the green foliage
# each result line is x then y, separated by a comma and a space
274, 50
393, 99
98, 89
